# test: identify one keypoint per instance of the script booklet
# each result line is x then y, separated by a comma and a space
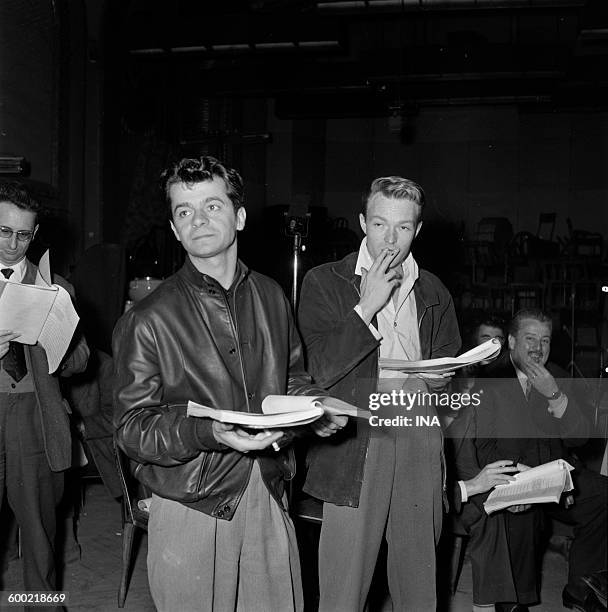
486, 350
539, 485
42, 313
280, 411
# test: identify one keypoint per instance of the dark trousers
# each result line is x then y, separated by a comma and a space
32, 490
506, 551
589, 516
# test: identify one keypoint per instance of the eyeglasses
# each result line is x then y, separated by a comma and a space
22, 235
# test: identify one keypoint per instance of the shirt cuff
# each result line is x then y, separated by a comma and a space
372, 329
558, 406
464, 496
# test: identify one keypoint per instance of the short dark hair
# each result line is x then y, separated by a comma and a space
16, 193
491, 320
483, 318
528, 313
397, 188
198, 170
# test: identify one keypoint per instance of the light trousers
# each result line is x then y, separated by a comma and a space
248, 564
401, 500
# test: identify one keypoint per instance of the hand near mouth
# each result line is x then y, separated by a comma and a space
378, 283
541, 378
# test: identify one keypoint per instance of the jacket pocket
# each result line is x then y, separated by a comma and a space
202, 475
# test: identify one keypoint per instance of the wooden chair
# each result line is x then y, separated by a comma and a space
133, 517
308, 509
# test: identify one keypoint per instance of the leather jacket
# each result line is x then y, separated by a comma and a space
193, 340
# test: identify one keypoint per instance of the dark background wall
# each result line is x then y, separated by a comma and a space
97, 119
474, 162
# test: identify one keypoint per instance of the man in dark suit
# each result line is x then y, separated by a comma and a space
529, 413
35, 440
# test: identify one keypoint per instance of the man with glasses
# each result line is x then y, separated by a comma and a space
35, 441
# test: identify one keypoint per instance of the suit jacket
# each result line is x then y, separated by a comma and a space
510, 427
507, 426
52, 408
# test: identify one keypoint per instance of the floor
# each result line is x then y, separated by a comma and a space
92, 581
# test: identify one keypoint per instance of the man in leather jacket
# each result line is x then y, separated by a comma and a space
221, 335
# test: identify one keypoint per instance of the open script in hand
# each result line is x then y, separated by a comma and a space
487, 350
280, 411
540, 485
41, 313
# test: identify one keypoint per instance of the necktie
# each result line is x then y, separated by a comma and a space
528, 388
14, 361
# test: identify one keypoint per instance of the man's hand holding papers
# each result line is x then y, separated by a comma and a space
444, 365
280, 411
40, 313
237, 438
542, 484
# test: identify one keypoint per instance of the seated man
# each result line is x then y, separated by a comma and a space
485, 327
529, 414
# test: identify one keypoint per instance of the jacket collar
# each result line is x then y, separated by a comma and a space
190, 274
426, 294
29, 278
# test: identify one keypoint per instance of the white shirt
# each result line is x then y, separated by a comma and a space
25, 385
19, 268
397, 324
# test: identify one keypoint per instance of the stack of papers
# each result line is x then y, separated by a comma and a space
540, 485
280, 411
487, 350
41, 313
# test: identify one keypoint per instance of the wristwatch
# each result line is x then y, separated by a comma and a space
556, 395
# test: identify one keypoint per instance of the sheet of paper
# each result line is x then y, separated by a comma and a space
58, 329
280, 404
43, 275
545, 469
486, 350
544, 483
24, 309
333, 405
256, 420
280, 411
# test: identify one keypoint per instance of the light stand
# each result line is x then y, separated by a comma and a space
296, 227
603, 354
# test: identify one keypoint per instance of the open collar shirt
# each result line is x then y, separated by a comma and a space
397, 321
